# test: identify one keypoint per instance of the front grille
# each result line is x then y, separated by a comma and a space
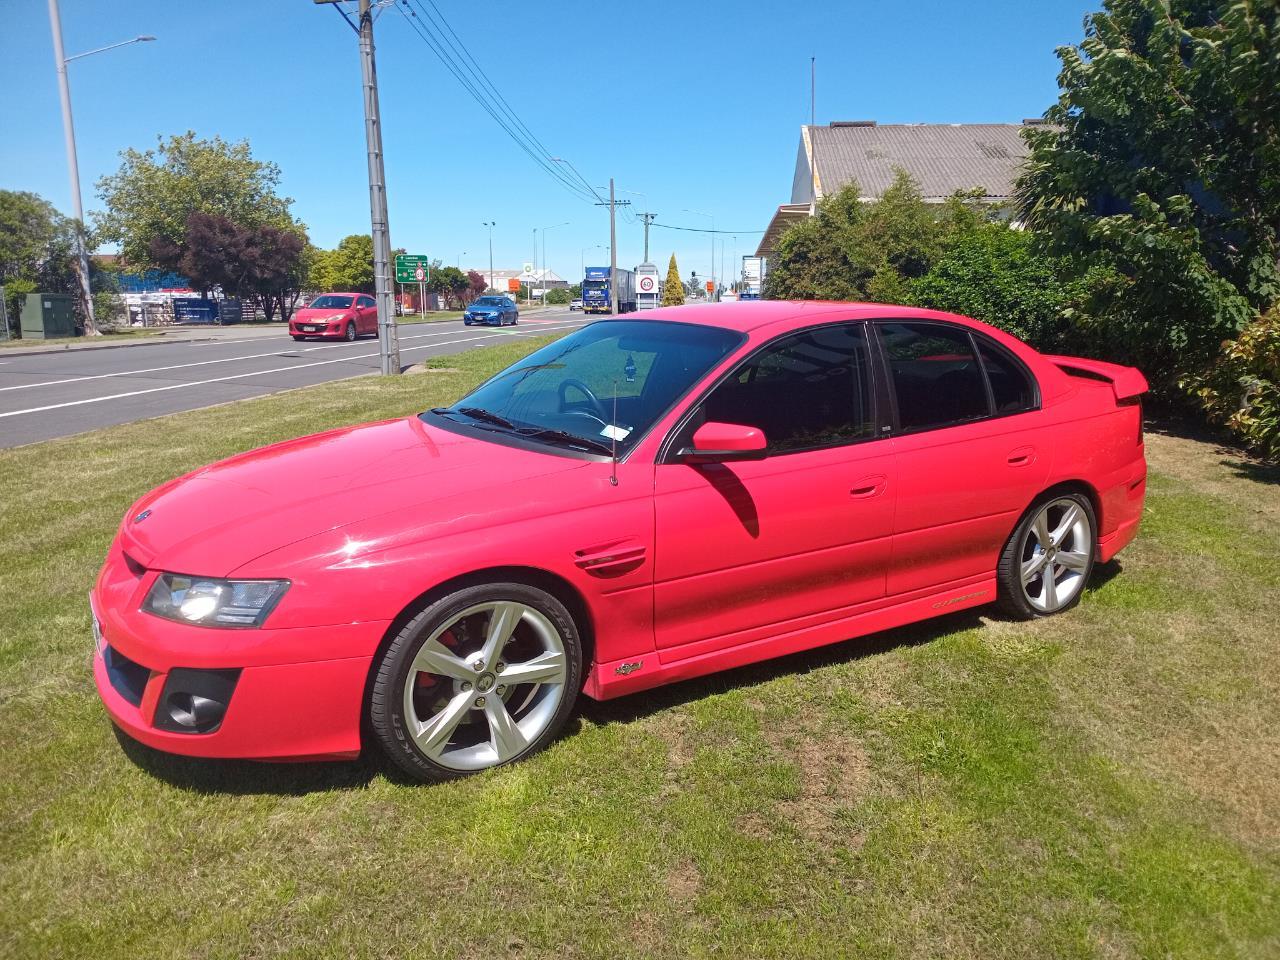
128, 679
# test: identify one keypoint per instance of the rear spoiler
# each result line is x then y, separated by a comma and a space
1127, 382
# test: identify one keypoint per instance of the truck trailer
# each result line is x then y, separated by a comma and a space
597, 296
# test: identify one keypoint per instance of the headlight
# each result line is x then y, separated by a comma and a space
211, 602
336, 317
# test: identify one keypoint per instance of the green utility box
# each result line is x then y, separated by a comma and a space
47, 315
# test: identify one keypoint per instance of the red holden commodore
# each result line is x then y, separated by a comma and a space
336, 316
642, 501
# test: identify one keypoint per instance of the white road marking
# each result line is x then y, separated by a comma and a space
241, 376
200, 363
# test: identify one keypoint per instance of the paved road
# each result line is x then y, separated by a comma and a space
58, 394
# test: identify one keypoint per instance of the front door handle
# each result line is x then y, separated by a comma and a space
868, 487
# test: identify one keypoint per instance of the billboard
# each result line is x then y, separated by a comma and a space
513, 284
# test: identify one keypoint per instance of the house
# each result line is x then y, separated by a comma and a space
941, 157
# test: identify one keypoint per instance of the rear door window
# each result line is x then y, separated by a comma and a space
936, 377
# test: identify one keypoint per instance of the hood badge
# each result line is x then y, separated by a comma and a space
142, 516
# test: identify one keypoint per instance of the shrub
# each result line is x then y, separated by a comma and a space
1241, 390
559, 295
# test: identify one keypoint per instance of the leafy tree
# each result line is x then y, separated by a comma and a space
477, 283
1242, 388
1161, 166
150, 198
37, 248
559, 295
672, 289
348, 267
851, 250
450, 283
995, 274
575, 290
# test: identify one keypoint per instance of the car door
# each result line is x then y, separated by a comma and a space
969, 460
751, 549
368, 314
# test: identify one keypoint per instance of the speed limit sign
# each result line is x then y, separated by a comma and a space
646, 284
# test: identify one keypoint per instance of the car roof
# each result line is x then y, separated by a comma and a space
749, 315
342, 293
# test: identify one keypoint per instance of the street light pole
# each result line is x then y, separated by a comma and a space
490, 224
544, 256
713, 246
613, 253
73, 165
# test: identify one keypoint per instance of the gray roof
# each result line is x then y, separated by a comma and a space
942, 158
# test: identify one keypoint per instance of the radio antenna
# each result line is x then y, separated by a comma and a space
613, 435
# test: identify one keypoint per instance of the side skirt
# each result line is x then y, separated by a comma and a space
653, 669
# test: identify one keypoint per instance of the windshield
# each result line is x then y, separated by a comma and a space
329, 302
566, 391
589, 285
490, 302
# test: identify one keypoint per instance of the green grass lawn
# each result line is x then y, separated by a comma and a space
431, 316
115, 336
1103, 784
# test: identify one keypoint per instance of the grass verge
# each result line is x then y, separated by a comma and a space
120, 336
1101, 784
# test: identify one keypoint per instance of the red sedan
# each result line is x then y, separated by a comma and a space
336, 316
642, 501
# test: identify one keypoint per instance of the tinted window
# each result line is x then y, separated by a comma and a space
811, 389
1010, 387
367, 302
936, 377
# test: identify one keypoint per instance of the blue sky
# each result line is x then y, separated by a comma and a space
697, 106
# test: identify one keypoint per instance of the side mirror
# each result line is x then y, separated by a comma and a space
725, 442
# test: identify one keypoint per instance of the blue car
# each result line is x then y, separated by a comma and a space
492, 312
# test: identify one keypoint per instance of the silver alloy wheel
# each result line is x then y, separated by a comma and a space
494, 677
1055, 555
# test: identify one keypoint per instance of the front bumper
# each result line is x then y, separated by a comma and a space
307, 330
482, 321
289, 694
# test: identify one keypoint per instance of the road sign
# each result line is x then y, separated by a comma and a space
513, 285
412, 268
711, 286
647, 284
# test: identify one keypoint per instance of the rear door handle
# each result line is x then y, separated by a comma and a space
1022, 456
868, 487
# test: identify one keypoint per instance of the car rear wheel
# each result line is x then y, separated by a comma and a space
480, 678
349, 334
1047, 562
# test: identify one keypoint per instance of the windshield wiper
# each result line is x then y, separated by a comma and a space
565, 438
479, 413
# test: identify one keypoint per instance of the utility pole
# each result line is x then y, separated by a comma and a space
613, 254
648, 218
613, 246
490, 224
388, 340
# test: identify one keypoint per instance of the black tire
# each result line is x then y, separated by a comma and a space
1012, 596
349, 334
391, 673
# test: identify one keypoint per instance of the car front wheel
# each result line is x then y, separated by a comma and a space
1047, 562
349, 334
480, 678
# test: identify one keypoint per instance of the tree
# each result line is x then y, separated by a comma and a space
348, 267
673, 288
994, 273
37, 247
150, 198
852, 250
477, 283
1161, 168
558, 295
449, 282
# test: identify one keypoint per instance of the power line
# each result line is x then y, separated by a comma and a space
429, 32
667, 226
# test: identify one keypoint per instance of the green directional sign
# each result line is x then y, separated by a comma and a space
412, 268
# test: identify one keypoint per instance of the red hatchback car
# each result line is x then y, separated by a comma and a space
336, 316
698, 489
